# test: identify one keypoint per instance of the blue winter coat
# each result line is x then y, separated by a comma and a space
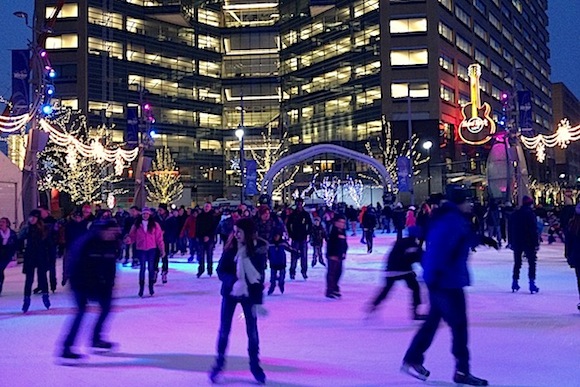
449, 240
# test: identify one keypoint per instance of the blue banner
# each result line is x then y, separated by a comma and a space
525, 110
251, 177
403, 172
132, 130
20, 82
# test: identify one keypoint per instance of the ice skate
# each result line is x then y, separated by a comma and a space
100, 346
468, 379
164, 277
46, 300
26, 304
515, 286
69, 358
415, 370
258, 373
533, 287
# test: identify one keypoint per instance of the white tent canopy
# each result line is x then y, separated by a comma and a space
10, 191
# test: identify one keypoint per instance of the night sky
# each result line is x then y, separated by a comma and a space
564, 40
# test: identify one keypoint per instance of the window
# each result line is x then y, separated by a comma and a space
447, 93
496, 69
494, 21
404, 26
103, 18
462, 72
463, 44
518, 5
62, 41
508, 35
480, 31
409, 57
518, 45
406, 89
463, 16
463, 99
447, 4
67, 11
496, 93
493, 43
506, 12
446, 63
481, 57
479, 5
508, 56
446, 31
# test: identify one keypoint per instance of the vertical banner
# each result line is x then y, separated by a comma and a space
251, 177
403, 171
132, 131
20, 82
525, 110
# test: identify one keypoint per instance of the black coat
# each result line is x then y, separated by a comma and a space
299, 225
337, 244
369, 220
522, 232
405, 252
572, 248
226, 271
205, 225
36, 249
8, 250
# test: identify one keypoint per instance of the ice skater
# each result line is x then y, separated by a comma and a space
277, 258
572, 250
91, 267
317, 238
449, 240
241, 270
336, 249
404, 254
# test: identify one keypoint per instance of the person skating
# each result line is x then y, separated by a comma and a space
73, 230
299, 225
8, 247
336, 249
369, 222
36, 257
572, 249
523, 239
277, 258
241, 270
169, 235
51, 226
445, 271
147, 236
91, 269
317, 238
405, 253
205, 229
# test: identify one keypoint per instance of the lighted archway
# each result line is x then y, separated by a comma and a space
305, 154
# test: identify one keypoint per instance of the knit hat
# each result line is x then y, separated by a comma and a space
146, 209
527, 201
35, 213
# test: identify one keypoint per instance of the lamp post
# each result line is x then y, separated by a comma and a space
427, 145
240, 136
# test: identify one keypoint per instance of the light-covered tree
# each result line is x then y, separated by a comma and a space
164, 179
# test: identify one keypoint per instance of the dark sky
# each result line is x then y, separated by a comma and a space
564, 28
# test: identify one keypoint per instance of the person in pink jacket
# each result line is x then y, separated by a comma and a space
147, 236
411, 220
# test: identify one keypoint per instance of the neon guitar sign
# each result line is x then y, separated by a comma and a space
477, 126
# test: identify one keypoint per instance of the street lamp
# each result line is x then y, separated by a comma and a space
240, 136
427, 145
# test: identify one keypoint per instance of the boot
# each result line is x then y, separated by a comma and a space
258, 372
164, 277
102, 345
26, 304
515, 286
467, 378
46, 300
69, 358
216, 369
151, 291
533, 287
155, 276
314, 262
272, 288
321, 262
141, 286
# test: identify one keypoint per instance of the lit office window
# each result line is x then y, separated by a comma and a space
463, 99
480, 31
446, 31
409, 57
447, 4
208, 16
62, 41
518, 45
462, 72
67, 11
413, 90
447, 93
496, 69
494, 21
446, 63
496, 93
463, 16
405, 26
480, 57
463, 44
495, 44
104, 18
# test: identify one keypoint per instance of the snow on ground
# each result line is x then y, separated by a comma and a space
307, 340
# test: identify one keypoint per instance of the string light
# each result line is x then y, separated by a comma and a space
564, 135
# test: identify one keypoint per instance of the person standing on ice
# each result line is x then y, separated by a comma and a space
572, 250
8, 247
523, 239
299, 225
336, 248
241, 270
449, 240
91, 268
404, 254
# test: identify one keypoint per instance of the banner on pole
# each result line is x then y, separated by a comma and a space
403, 171
132, 130
525, 110
251, 177
20, 82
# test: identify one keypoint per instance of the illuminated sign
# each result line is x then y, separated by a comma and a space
477, 126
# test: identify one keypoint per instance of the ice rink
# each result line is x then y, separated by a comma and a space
516, 339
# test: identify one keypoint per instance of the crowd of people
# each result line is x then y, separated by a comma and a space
91, 243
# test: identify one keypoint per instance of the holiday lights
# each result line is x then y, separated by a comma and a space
564, 135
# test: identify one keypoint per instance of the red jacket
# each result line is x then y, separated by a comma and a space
188, 229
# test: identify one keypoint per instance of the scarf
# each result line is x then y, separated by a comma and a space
244, 271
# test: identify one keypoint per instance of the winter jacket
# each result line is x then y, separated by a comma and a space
522, 231
405, 252
8, 250
147, 240
267, 229
36, 249
449, 240
572, 248
226, 225
172, 230
318, 235
299, 225
277, 254
226, 271
410, 219
337, 244
369, 220
189, 227
399, 218
206, 225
